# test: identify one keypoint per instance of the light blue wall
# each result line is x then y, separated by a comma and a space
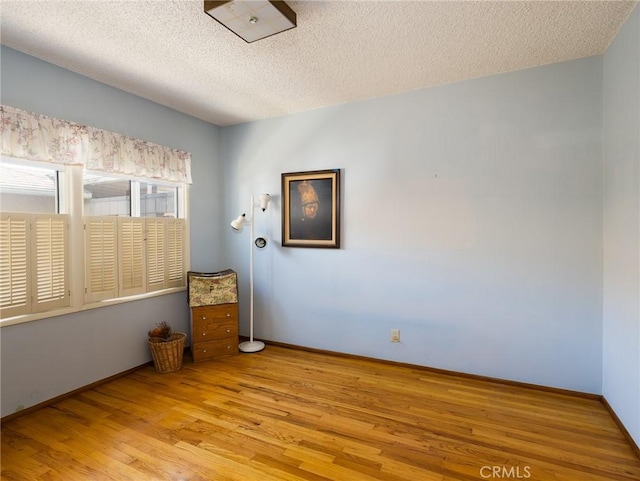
472, 221
621, 345
43, 359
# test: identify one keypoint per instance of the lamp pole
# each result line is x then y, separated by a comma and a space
251, 345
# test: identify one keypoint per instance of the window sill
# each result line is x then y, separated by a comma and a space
10, 321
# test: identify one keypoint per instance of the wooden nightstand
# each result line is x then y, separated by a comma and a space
213, 298
214, 331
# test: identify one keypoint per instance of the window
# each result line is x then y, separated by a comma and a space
134, 237
127, 232
34, 259
28, 188
34, 263
105, 195
139, 246
157, 200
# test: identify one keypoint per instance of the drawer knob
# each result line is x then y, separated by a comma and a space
228, 330
204, 333
204, 350
228, 315
204, 318
228, 346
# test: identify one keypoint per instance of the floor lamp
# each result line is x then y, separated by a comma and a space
237, 225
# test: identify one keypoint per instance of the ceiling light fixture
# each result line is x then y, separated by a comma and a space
252, 20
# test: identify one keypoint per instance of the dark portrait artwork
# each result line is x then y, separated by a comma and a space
310, 214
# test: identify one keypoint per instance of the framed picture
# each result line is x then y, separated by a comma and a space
311, 209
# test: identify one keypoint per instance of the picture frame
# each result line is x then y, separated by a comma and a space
311, 209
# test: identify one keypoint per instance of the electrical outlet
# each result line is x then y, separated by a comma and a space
395, 335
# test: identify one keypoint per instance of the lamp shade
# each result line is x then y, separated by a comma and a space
238, 223
264, 201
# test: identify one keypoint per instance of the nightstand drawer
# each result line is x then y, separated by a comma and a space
213, 349
205, 330
219, 312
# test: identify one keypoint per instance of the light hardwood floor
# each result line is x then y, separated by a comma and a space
285, 414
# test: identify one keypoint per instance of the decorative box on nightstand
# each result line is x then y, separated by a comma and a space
213, 299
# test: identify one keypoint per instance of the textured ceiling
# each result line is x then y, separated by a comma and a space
170, 52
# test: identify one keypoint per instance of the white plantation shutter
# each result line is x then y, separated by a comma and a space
124, 256
156, 254
15, 289
50, 263
175, 247
131, 256
34, 263
101, 258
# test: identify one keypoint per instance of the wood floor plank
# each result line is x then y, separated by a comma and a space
290, 415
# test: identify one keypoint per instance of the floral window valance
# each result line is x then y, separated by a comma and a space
31, 136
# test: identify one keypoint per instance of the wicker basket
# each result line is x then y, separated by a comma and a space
167, 355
